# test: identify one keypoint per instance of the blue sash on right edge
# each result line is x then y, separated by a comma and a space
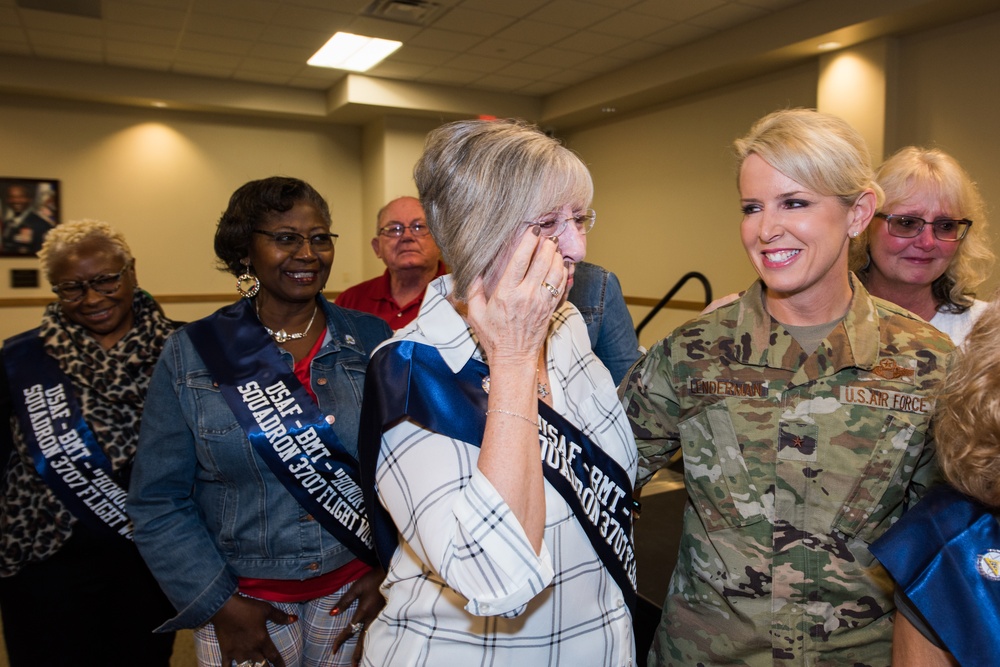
945, 554
407, 379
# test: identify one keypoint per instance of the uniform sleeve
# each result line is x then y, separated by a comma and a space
456, 523
652, 409
169, 531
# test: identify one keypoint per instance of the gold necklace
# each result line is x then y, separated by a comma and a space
281, 336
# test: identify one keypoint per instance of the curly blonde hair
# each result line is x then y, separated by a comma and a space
967, 419
913, 170
63, 238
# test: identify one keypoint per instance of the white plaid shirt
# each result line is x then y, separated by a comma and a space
464, 586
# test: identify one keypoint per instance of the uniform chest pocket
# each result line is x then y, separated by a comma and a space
215, 420
882, 485
716, 473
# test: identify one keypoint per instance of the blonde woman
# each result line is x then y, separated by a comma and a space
802, 410
928, 249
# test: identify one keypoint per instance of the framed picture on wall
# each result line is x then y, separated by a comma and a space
29, 208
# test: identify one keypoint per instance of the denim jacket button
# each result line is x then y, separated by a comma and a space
312, 566
308, 517
321, 382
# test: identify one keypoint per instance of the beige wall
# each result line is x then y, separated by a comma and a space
164, 179
664, 178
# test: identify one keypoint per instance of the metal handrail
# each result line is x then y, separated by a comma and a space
673, 290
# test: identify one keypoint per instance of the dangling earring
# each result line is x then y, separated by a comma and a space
247, 284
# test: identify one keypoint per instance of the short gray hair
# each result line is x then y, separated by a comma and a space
64, 238
481, 180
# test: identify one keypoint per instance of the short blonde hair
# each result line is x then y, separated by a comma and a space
480, 181
64, 238
818, 150
913, 170
967, 419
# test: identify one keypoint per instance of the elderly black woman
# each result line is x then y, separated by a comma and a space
500, 455
73, 588
243, 493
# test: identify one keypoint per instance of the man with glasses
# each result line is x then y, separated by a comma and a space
412, 259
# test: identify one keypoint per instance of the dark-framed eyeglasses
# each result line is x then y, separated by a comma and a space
910, 226
396, 230
292, 241
108, 284
551, 225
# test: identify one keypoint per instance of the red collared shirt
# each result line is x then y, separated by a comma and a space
375, 296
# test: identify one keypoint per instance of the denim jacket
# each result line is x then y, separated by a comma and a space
597, 294
206, 507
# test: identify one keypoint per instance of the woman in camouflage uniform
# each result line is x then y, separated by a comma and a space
802, 411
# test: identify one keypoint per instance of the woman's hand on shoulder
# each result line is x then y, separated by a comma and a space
365, 590
241, 628
512, 323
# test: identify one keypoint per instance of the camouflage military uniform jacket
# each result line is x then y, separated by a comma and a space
793, 465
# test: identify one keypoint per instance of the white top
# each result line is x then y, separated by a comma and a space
958, 325
465, 586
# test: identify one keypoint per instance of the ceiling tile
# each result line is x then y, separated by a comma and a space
140, 33
535, 32
676, 10
516, 8
127, 12
727, 16
198, 42
631, 25
445, 40
473, 22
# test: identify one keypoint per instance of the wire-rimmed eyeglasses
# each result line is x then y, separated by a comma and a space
396, 229
292, 241
910, 226
551, 225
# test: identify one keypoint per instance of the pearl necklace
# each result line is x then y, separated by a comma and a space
282, 336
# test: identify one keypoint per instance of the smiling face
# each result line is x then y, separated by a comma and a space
797, 240
108, 317
296, 276
916, 262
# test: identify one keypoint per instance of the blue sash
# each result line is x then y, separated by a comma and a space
62, 446
945, 554
411, 380
283, 423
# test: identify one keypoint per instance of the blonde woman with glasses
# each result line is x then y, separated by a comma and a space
928, 249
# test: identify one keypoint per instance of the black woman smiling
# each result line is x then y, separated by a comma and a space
243, 493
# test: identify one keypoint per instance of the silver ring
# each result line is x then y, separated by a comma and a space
357, 627
553, 290
245, 663
262, 663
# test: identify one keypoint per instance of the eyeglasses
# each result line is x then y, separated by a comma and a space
396, 230
292, 241
551, 226
106, 285
909, 227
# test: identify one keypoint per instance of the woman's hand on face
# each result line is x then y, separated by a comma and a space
512, 323
241, 628
370, 602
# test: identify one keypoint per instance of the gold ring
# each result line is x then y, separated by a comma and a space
553, 290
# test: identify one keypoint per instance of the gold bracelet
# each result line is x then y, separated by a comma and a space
512, 414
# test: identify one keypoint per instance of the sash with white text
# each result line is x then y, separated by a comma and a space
62, 447
408, 379
945, 554
282, 422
